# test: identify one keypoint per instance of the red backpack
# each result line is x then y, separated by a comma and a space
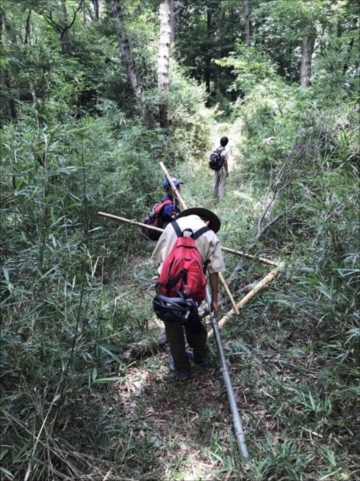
182, 272
155, 219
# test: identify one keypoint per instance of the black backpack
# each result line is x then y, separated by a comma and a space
217, 159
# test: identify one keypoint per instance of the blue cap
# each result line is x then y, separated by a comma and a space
176, 182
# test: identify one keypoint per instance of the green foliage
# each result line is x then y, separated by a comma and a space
75, 287
250, 66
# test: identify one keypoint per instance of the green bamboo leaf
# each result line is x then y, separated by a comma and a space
3, 453
5, 471
6, 274
111, 354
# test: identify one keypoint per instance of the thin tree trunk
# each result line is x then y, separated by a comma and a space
124, 47
9, 31
172, 21
65, 34
219, 52
207, 72
126, 56
96, 10
4, 74
164, 60
246, 8
349, 50
306, 58
27, 28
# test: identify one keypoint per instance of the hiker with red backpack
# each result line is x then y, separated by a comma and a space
163, 212
186, 247
219, 164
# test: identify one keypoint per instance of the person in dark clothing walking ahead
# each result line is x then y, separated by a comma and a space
221, 175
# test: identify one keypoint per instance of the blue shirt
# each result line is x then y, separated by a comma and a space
168, 212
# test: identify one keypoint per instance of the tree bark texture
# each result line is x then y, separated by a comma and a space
207, 73
246, 8
172, 21
126, 56
219, 52
164, 60
65, 34
5, 84
96, 10
306, 59
27, 28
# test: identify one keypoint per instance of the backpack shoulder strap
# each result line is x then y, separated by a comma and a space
200, 232
158, 207
176, 228
195, 236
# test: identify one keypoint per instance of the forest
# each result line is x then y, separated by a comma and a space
94, 95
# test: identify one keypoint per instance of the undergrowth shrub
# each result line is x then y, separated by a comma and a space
300, 155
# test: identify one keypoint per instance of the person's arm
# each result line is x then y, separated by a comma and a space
214, 286
213, 258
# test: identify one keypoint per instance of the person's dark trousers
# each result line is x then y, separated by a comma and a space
196, 336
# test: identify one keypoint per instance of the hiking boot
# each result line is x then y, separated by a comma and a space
198, 361
182, 375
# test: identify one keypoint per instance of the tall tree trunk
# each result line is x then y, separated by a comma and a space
96, 10
306, 58
9, 31
27, 28
350, 48
65, 34
172, 21
207, 72
219, 52
4, 74
246, 8
164, 60
126, 56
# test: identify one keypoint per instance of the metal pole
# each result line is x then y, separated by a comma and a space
239, 433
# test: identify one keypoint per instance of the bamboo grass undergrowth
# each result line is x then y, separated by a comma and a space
75, 294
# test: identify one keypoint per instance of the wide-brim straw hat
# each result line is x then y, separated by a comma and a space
214, 221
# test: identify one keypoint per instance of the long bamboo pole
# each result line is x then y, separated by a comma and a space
249, 256
226, 249
269, 277
183, 205
133, 222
